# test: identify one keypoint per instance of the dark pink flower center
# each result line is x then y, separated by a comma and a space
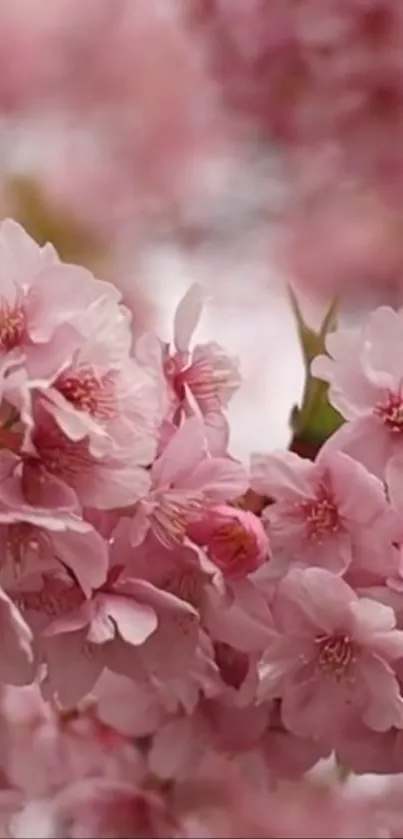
232, 664
61, 456
335, 654
24, 537
174, 376
54, 599
390, 411
321, 515
186, 583
95, 395
232, 542
172, 515
12, 325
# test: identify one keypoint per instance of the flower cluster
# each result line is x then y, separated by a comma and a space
167, 642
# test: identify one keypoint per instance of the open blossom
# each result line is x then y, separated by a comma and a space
129, 626
364, 370
206, 373
116, 479
40, 298
111, 404
38, 540
233, 613
331, 513
333, 660
183, 480
234, 539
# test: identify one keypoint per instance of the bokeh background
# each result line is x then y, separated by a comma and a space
248, 144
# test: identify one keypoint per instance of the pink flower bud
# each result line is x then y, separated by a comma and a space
234, 539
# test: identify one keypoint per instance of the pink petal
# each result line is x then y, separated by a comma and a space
284, 476
159, 599
370, 616
73, 667
169, 651
134, 621
219, 478
246, 624
173, 749
87, 556
365, 440
132, 708
394, 481
182, 454
322, 598
139, 526
187, 316
359, 495
385, 706
71, 622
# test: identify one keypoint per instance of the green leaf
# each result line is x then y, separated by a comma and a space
312, 343
315, 420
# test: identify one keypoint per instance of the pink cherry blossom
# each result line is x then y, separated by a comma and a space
234, 539
126, 626
331, 513
183, 480
115, 480
206, 372
37, 541
365, 376
110, 405
332, 663
40, 298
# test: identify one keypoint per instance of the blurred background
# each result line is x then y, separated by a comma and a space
251, 145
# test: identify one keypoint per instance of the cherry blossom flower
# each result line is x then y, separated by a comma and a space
36, 540
206, 373
331, 513
119, 620
40, 298
365, 379
183, 480
111, 405
115, 480
333, 653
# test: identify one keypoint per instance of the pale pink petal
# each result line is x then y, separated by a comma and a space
134, 621
71, 622
245, 624
74, 666
394, 481
323, 598
284, 475
370, 617
87, 556
182, 454
359, 495
174, 749
219, 478
139, 526
187, 316
168, 652
385, 705
364, 439
133, 708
